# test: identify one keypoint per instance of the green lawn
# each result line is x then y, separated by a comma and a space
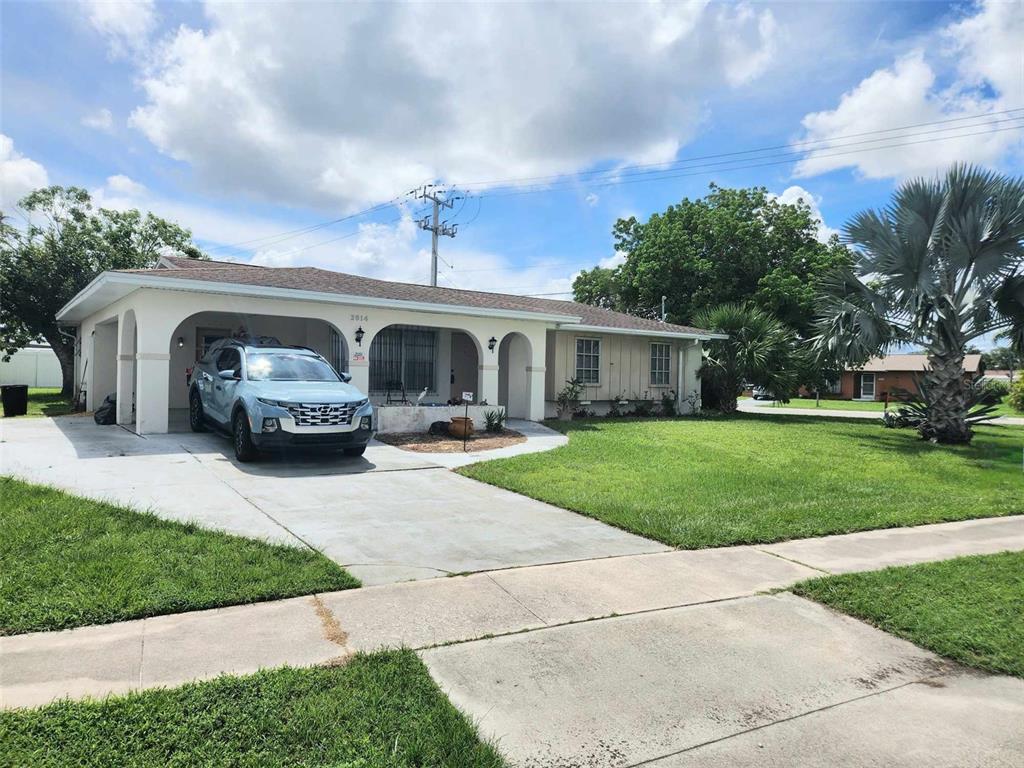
68, 562
43, 401
702, 482
1003, 409
970, 609
378, 710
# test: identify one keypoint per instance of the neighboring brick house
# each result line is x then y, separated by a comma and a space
892, 373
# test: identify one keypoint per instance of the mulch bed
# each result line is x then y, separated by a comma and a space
478, 441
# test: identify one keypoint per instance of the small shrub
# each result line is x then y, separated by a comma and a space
693, 400
616, 409
494, 421
668, 404
583, 413
1016, 396
992, 391
567, 398
643, 409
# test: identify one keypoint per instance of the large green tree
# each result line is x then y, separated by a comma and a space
941, 266
60, 244
734, 245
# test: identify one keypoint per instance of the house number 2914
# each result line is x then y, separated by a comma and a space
360, 318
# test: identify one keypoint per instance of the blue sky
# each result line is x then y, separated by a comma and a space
245, 121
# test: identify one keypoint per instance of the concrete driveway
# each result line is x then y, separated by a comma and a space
389, 516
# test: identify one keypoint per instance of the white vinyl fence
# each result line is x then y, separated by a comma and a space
35, 366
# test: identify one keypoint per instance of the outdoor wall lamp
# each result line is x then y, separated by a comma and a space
359, 335
181, 342
492, 343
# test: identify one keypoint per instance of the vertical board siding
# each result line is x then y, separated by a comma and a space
625, 365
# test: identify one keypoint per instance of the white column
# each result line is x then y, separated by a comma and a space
153, 396
535, 375
690, 361
360, 372
125, 387
488, 384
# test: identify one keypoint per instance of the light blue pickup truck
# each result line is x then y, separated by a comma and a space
268, 396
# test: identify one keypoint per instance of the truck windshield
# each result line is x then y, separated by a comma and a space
284, 366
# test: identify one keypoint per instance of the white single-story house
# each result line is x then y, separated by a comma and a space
140, 331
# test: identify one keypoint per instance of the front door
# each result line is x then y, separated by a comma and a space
867, 386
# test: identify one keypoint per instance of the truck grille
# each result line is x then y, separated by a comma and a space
321, 414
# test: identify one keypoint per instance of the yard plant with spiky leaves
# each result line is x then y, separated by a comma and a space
941, 266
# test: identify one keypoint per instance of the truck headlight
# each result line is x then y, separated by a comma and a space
366, 422
275, 403
270, 425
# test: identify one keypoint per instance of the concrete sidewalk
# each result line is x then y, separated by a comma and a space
767, 407
169, 650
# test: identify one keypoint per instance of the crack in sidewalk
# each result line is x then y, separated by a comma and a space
798, 716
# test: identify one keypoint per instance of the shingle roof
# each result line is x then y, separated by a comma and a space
326, 281
917, 363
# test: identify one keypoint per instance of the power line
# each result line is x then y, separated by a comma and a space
728, 165
664, 171
827, 142
342, 237
280, 237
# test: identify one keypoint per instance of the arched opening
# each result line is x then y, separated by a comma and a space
103, 377
414, 363
127, 379
194, 335
514, 356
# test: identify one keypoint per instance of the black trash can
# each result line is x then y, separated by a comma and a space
15, 399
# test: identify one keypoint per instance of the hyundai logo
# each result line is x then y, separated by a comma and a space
324, 410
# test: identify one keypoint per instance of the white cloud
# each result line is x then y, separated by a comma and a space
18, 175
127, 24
983, 58
342, 104
101, 120
592, 199
990, 45
122, 185
795, 193
615, 260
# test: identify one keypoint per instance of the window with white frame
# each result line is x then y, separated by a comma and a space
661, 356
588, 361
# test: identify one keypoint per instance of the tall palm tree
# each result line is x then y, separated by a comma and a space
941, 266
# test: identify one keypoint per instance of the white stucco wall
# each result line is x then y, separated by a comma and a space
160, 313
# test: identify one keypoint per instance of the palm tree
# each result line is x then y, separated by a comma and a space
759, 351
941, 266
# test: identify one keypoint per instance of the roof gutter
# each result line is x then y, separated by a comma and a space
701, 336
136, 280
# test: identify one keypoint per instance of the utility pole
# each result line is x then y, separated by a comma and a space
433, 225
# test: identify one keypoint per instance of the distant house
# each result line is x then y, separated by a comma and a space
890, 374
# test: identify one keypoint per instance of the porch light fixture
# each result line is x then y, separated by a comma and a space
181, 342
492, 343
359, 335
